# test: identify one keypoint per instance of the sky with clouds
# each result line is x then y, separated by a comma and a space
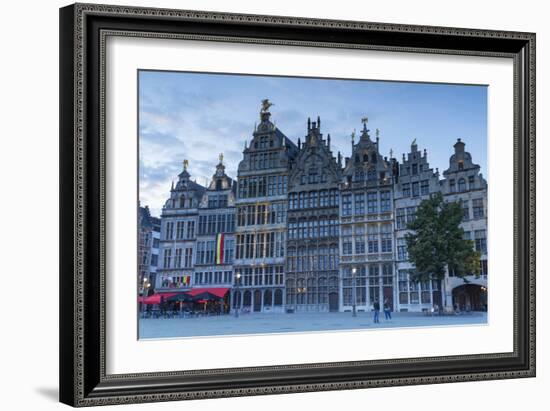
196, 116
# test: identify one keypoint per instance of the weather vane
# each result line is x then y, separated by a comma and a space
266, 104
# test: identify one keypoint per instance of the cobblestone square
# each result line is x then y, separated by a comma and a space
259, 323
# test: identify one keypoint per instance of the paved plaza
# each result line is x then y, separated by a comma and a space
258, 323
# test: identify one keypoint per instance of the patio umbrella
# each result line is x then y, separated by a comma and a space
206, 295
182, 297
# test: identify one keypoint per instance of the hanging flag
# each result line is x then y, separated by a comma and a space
220, 239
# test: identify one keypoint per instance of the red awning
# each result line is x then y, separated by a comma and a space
218, 292
155, 298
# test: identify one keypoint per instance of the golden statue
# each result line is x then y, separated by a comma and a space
266, 104
221, 158
185, 164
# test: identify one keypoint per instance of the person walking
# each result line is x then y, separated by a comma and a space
387, 309
376, 307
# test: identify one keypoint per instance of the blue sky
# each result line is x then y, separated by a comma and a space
196, 116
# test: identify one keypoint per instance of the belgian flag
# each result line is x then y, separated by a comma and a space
220, 242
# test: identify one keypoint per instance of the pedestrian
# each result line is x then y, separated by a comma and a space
387, 309
376, 307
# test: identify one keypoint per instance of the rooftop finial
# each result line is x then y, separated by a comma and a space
353, 136
391, 152
266, 104
413, 142
377, 133
185, 164
365, 120
221, 158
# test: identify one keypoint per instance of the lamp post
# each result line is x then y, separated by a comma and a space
145, 290
354, 290
299, 290
236, 293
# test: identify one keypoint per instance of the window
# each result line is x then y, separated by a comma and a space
465, 210
178, 258
312, 176
386, 237
313, 199
190, 229
333, 198
415, 189
179, 229
406, 190
477, 206
402, 254
169, 230
461, 165
483, 267
301, 200
372, 202
347, 241
188, 262
167, 257
385, 201
212, 201
415, 169
292, 200
461, 185
400, 219
372, 240
359, 203
359, 245
471, 182
452, 185
346, 204
323, 198
480, 241
411, 214
424, 187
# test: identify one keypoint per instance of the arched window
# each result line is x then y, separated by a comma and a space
267, 297
278, 300
462, 185
365, 157
247, 298
182, 202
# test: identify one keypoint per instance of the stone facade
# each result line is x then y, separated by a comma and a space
416, 181
366, 226
463, 182
215, 245
261, 218
312, 247
148, 250
304, 232
179, 222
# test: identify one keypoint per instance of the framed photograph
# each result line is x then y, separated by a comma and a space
261, 204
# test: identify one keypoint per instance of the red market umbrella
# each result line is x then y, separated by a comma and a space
155, 298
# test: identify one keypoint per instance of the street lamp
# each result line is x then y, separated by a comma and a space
354, 290
236, 293
145, 290
299, 290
